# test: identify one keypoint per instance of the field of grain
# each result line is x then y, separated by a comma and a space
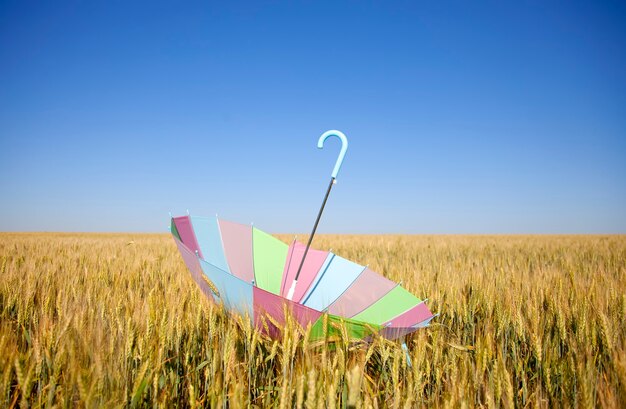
111, 320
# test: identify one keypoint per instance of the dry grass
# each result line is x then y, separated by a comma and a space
92, 320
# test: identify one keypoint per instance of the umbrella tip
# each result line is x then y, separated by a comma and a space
406, 353
187, 212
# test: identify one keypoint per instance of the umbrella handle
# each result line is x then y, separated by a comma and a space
342, 152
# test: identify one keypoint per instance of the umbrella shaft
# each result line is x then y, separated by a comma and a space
319, 215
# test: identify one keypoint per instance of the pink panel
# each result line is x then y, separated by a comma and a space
368, 288
266, 303
411, 317
193, 265
237, 242
185, 231
312, 264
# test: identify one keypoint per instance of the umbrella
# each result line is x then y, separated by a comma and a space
259, 276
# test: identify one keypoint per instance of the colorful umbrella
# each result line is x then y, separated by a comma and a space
256, 275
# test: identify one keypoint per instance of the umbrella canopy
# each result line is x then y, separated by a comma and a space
251, 273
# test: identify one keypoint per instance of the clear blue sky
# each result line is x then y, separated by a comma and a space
498, 117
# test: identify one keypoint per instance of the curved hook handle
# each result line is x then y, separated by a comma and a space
342, 153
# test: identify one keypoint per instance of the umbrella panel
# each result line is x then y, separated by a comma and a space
334, 280
368, 288
394, 303
271, 310
269, 259
210, 241
237, 241
312, 265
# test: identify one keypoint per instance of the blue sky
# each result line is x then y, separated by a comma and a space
463, 117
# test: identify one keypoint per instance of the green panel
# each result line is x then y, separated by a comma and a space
269, 260
175, 231
394, 303
334, 324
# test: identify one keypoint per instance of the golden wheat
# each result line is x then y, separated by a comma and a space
114, 320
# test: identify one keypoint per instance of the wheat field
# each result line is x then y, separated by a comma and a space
115, 320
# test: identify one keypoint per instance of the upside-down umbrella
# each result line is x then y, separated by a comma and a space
259, 276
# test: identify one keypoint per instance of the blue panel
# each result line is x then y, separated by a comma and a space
234, 292
339, 275
210, 240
